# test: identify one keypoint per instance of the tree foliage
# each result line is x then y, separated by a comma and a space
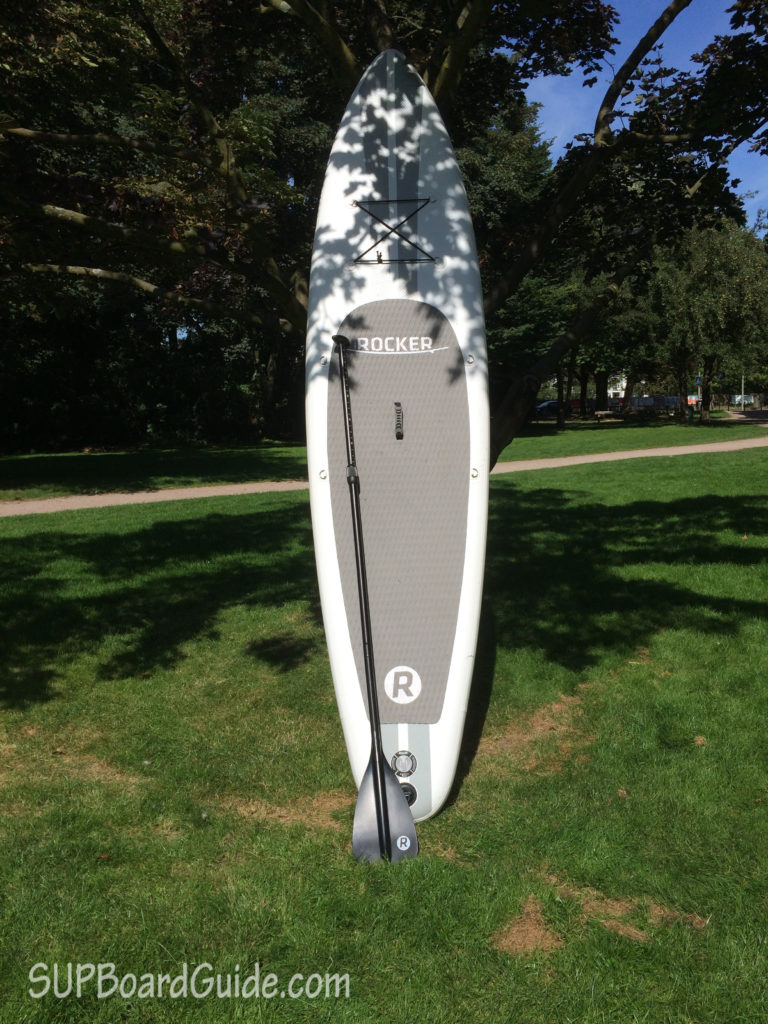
707, 306
161, 161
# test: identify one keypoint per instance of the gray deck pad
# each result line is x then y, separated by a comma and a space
410, 410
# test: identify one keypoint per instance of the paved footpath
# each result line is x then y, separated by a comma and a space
81, 501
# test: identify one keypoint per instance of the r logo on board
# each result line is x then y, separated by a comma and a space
402, 684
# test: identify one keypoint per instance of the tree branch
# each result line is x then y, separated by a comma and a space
146, 287
292, 308
566, 200
722, 160
381, 27
469, 25
227, 167
191, 245
116, 141
629, 67
290, 301
343, 62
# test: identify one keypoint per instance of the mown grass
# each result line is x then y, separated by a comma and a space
46, 476
543, 440
175, 789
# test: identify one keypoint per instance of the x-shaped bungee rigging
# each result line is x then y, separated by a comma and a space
393, 229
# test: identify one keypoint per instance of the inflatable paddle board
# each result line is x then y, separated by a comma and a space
395, 271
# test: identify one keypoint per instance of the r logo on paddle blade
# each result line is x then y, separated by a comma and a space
402, 684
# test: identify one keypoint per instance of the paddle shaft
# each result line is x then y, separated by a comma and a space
353, 479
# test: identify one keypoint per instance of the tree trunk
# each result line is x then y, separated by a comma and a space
682, 391
707, 376
569, 381
560, 399
601, 389
584, 375
511, 414
627, 408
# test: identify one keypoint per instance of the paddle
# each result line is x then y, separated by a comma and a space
383, 827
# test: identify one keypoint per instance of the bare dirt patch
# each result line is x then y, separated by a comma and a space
633, 919
166, 830
43, 755
622, 915
19, 809
660, 915
545, 739
314, 812
627, 931
8, 761
528, 933
642, 657
96, 769
448, 853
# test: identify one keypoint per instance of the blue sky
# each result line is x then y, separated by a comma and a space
568, 109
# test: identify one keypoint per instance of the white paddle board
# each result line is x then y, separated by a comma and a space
394, 269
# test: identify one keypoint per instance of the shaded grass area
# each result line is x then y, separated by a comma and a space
146, 582
174, 786
45, 476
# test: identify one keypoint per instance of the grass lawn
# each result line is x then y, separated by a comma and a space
48, 476
543, 440
174, 789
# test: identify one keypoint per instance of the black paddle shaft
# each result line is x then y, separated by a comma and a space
353, 479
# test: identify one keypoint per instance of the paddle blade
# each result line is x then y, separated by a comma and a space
366, 842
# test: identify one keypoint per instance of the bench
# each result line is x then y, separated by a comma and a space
605, 414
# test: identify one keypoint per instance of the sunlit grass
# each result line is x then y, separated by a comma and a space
543, 440
175, 788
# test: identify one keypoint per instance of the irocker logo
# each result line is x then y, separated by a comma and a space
394, 344
402, 684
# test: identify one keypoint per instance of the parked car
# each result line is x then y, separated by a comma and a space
547, 408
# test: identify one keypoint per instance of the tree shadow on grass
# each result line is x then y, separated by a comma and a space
552, 583
286, 651
100, 472
152, 589
551, 580
554, 563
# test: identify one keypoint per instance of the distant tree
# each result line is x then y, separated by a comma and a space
708, 306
